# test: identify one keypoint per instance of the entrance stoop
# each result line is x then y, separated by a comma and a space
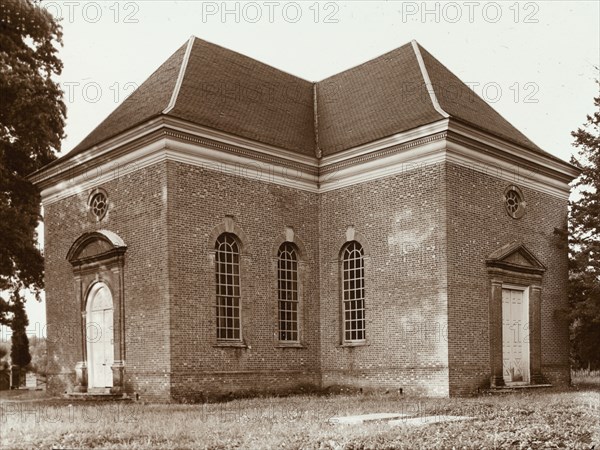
97, 395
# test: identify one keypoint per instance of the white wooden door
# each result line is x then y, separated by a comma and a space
515, 336
100, 337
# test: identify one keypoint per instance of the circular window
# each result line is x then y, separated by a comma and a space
514, 202
98, 204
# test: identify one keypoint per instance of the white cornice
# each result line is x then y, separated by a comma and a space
507, 149
512, 173
408, 159
46, 175
240, 165
389, 141
110, 170
177, 140
237, 141
58, 168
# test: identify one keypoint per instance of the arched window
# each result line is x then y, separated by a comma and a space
287, 292
227, 274
353, 275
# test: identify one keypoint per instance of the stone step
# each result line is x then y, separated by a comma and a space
516, 388
395, 419
427, 420
351, 420
97, 396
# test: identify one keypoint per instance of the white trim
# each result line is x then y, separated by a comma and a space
237, 141
278, 171
239, 165
543, 160
97, 152
159, 123
389, 141
508, 171
491, 151
427, 80
515, 287
131, 162
182, 70
409, 159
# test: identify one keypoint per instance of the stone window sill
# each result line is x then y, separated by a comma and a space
354, 344
289, 345
231, 344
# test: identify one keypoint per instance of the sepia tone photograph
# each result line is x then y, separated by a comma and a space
299, 224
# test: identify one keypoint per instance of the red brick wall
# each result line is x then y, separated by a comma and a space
427, 232
137, 213
199, 200
477, 226
401, 221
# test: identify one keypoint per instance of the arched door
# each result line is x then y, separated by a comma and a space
100, 336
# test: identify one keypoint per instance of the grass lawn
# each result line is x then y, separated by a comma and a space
541, 419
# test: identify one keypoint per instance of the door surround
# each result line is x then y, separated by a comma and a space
515, 265
99, 257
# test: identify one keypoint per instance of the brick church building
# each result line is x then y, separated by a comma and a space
231, 227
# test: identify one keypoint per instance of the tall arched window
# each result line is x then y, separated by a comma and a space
353, 275
287, 292
227, 274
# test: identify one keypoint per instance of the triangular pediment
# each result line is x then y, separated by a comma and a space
517, 257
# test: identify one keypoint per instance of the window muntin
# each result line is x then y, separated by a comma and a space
353, 278
98, 204
287, 293
514, 202
227, 275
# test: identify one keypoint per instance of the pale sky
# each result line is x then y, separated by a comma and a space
532, 61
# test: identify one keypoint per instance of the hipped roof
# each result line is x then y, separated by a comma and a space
215, 87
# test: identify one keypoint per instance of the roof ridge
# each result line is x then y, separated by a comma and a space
318, 153
427, 80
182, 70
512, 133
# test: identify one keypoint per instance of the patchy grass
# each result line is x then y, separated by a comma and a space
541, 419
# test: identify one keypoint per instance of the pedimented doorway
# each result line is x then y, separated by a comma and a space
515, 319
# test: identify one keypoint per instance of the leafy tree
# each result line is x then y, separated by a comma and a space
39, 355
584, 230
32, 120
19, 350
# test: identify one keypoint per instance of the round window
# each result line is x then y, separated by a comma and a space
98, 204
514, 202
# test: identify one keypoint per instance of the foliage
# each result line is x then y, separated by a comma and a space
19, 350
584, 230
39, 355
32, 119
